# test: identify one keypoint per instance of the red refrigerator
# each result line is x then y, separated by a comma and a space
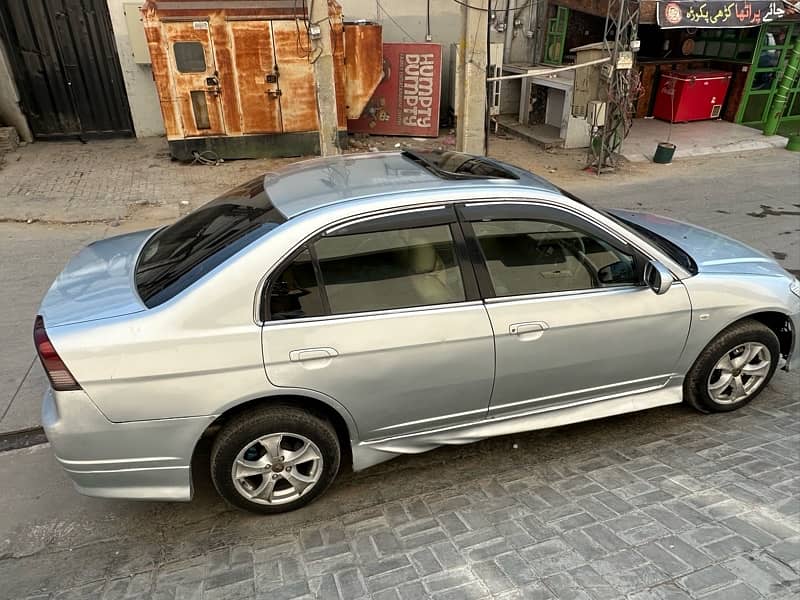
691, 95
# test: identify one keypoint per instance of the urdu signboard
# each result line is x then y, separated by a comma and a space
407, 100
692, 13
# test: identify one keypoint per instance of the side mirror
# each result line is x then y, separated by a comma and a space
618, 272
657, 277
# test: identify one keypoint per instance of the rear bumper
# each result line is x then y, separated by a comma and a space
138, 460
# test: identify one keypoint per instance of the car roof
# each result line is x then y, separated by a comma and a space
308, 185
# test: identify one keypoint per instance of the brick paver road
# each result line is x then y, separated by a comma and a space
662, 504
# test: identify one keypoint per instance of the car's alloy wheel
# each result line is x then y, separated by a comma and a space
734, 368
277, 469
274, 458
739, 373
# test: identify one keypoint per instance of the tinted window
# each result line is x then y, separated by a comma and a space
457, 165
532, 257
189, 57
390, 269
178, 255
295, 294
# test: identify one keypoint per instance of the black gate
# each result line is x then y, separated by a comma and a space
65, 63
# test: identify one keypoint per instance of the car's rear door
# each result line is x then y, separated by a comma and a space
572, 321
384, 316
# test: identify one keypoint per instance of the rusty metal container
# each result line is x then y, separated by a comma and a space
237, 79
407, 100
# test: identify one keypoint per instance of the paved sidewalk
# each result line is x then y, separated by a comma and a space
698, 138
110, 180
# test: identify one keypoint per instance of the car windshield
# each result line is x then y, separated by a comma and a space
180, 254
676, 253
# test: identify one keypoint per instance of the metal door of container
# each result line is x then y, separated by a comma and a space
294, 56
195, 77
64, 61
257, 76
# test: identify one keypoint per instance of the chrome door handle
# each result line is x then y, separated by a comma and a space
312, 354
531, 330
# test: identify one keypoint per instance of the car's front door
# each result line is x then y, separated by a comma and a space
384, 316
571, 319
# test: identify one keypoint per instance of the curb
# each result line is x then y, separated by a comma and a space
23, 438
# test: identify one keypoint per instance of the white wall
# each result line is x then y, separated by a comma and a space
139, 85
10, 111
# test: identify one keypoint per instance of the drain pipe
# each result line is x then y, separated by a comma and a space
782, 93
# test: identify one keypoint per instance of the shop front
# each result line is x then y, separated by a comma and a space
697, 61
749, 42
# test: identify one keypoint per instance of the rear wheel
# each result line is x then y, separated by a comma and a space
274, 459
734, 368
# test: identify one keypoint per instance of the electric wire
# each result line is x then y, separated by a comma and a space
392, 19
491, 10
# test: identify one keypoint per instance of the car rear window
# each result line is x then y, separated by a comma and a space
180, 254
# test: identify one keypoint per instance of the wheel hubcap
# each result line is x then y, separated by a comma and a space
739, 373
277, 468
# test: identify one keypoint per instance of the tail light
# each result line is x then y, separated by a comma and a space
57, 372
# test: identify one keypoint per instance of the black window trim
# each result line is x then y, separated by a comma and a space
407, 218
513, 209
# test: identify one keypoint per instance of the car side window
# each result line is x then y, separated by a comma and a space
398, 268
539, 256
295, 293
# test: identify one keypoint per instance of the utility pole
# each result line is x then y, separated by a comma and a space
622, 24
319, 30
471, 65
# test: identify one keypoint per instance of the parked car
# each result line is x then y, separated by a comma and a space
343, 311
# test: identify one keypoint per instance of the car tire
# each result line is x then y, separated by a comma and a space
722, 378
274, 459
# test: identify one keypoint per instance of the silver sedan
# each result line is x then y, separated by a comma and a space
343, 311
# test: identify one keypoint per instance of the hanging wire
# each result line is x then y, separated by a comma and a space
490, 10
392, 19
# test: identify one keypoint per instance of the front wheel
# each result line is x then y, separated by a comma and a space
274, 459
734, 368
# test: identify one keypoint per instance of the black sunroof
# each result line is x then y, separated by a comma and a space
457, 165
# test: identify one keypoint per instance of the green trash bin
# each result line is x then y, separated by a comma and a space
664, 153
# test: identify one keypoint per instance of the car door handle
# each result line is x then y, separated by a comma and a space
532, 330
312, 354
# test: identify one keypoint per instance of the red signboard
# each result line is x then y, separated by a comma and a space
407, 100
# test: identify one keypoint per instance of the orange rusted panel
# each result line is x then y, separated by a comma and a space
363, 65
250, 66
296, 76
194, 74
256, 70
240, 9
226, 73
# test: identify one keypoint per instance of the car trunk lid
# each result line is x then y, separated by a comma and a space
97, 283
